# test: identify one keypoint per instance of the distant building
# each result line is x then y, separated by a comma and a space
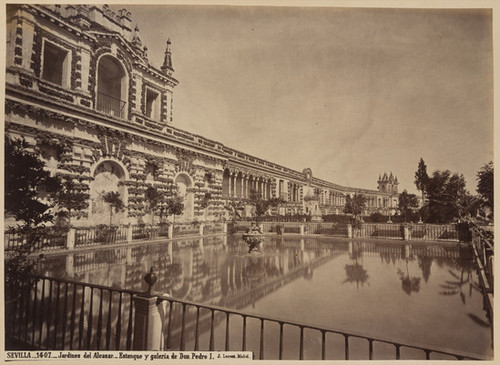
81, 90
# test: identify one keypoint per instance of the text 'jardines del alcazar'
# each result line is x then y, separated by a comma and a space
81, 91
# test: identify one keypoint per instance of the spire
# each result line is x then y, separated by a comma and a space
167, 62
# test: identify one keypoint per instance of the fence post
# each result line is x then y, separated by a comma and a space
170, 231
147, 323
406, 233
202, 227
349, 231
130, 234
70, 239
302, 229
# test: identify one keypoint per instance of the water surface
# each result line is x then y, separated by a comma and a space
424, 294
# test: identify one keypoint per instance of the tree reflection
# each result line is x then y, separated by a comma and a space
456, 284
425, 263
355, 272
409, 283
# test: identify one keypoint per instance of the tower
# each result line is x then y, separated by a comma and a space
388, 184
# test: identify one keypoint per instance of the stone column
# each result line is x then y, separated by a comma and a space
349, 231
170, 233
224, 228
406, 232
234, 183
130, 235
302, 229
147, 325
202, 227
242, 189
230, 183
70, 239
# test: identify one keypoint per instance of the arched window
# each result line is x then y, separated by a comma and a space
111, 87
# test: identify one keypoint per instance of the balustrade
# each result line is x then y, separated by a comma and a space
110, 105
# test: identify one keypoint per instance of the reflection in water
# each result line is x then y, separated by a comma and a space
301, 279
355, 272
408, 284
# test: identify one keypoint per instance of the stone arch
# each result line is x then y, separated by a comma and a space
108, 174
184, 183
112, 83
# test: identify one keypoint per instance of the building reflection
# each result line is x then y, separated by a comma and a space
219, 271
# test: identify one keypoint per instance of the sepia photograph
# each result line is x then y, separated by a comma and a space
237, 181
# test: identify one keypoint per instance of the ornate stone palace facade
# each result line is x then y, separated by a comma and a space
81, 91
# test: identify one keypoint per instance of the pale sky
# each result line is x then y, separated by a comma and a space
348, 92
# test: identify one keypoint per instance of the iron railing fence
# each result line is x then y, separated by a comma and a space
389, 231
96, 236
47, 238
328, 229
56, 238
186, 230
146, 232
423, 232
484, 251
213, 228
70, 315
110, 105
61, 314
276, 339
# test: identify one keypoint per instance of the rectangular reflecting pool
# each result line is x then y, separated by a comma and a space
416, 293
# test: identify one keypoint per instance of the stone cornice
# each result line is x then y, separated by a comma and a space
174, 136
48, 107
57, 20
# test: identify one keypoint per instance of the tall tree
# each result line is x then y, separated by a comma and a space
175, 205
485, 183
446, 192
262, 205
29, 188
113, 199
154, 198
29, 191
407, 202
71, 198
421, 178
355, 204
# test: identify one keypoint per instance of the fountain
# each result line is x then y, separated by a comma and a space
253, 237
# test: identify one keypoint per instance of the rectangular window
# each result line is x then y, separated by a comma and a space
55, 64
152, 104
